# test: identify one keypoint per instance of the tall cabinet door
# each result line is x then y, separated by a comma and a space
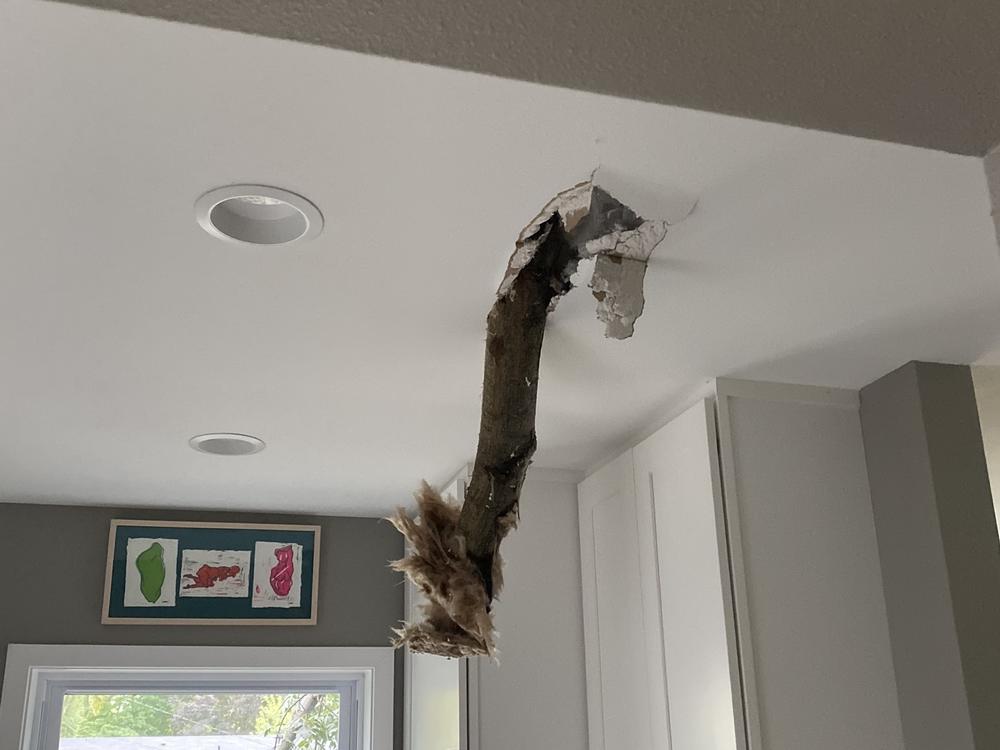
625, 685
677, 479
662, 663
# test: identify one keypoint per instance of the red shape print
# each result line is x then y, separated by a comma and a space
208, 575
281, 574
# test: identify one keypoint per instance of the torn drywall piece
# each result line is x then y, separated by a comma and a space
454, 555
617, 286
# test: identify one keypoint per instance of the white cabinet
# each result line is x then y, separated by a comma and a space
789, 561
677, 477
661, 654
625, 684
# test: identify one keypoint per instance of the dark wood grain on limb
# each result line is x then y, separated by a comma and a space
515, 329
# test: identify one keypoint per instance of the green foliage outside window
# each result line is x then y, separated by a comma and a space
116, 716
296, 722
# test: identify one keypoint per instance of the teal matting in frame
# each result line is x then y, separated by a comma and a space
192, 573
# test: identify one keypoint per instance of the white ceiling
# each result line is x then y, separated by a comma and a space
125, 329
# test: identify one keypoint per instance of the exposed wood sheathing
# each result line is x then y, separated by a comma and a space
454, 557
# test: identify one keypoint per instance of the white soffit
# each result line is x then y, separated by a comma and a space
357, 356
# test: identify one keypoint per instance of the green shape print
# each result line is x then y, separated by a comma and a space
152, 572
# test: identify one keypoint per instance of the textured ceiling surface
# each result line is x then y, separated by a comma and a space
921, 72
125, 329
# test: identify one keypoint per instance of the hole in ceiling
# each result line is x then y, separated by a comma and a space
227, 444
258, 215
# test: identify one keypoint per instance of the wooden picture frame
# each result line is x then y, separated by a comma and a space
201, 573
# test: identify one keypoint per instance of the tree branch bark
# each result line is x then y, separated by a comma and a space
515, 328
454, 557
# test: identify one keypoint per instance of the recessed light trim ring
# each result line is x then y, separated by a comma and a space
258, 215
227, 444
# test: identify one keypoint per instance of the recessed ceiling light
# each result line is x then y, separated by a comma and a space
227, 444
258, 215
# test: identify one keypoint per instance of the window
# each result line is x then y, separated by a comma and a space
178, 698
207, 721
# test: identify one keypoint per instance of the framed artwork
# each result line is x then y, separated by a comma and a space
188, 573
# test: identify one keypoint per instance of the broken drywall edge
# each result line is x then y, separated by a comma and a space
636, 244
599, 225
571, 205
647, 198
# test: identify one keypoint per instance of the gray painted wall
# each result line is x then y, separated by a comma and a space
59, 598
939, 553
811, 608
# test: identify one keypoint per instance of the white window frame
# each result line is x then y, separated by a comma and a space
36, 677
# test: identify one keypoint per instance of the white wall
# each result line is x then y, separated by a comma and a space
432, 719
536, 698
811, 608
